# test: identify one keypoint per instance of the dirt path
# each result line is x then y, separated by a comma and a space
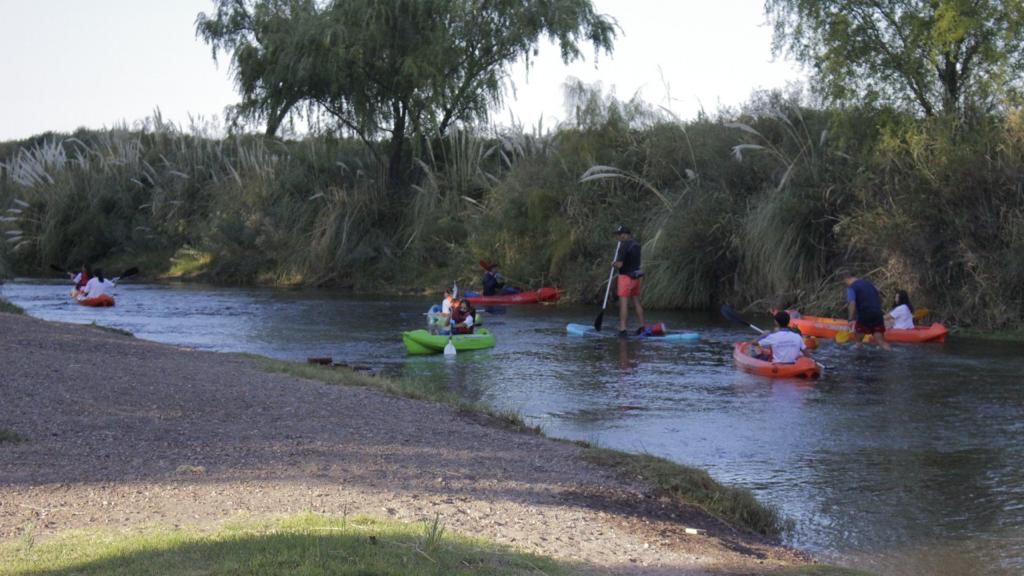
128, 433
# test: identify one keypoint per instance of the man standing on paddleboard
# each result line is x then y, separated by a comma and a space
627, 262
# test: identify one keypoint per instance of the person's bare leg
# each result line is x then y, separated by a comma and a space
623, 312
879, 337
639, 310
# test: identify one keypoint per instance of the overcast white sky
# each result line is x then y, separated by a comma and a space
71, 63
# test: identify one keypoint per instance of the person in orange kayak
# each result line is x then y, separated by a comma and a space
901, 317
462, 318
783, 346
96, 287
864, 308
80, 279
627, 262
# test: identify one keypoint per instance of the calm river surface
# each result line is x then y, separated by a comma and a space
903, 463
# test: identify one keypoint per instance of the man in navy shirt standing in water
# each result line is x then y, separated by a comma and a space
865, 309
627, 261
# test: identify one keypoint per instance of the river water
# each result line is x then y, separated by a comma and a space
910, 462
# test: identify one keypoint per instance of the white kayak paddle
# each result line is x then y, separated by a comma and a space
449, 348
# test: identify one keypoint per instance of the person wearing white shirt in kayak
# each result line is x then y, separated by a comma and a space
902, 316
783, 346
96, 286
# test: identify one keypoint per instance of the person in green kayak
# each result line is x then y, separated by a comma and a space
864, 309
627, 262
462, 318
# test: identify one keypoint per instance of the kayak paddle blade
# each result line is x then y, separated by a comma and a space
129, 272
842, 337
599, 321
449, 348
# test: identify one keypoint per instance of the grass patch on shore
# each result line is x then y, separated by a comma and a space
8, 308
406, 388
112, 330
305, 544
11, 437
693, 486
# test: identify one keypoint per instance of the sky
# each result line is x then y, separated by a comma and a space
96, 63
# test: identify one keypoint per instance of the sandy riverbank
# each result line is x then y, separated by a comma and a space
127, 433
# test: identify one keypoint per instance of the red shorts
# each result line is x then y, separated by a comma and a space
627, 286
869, 328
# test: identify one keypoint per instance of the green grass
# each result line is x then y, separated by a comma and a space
693, 486
8, 308
112, 330
406, 388
189, 263
305, 545
11, 437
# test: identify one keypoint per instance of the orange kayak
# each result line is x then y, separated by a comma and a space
802, 368
102, 300
830, 327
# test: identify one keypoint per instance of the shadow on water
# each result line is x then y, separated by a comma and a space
923, 447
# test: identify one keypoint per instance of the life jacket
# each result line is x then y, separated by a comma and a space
83, 280
656, 329
458, 317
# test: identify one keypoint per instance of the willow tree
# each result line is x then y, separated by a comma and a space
933, 56
388, 70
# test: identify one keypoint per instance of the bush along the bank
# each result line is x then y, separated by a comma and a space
763, 203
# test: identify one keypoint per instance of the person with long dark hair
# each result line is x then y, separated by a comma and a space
902, 315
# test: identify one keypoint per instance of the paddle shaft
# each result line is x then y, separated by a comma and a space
611, 273
608, 289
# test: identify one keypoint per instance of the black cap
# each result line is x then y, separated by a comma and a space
622, 230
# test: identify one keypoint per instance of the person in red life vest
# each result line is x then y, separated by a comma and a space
96, 287
627, 261
80, 279
462, 318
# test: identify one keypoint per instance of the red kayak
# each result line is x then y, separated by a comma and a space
803, 367
101, 301
532, 297
830, 327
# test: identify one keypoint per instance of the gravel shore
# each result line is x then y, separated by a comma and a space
125, 433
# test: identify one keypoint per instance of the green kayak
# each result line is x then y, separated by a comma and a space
423, 342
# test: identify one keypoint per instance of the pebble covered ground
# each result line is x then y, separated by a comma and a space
125, 433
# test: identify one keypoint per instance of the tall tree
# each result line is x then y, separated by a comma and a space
388, 69
935, 56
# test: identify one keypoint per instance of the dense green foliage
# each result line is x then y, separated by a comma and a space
932, 56
406, 68
763, 204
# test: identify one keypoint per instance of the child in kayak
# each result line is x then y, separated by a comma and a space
462, 318
783, 346
96, 287
902, 316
